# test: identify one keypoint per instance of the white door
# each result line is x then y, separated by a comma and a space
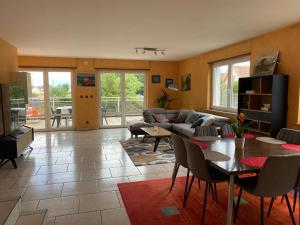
121, 97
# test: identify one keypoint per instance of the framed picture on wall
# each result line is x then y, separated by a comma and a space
86, 80
155, 78
266, 64
169, 82
186, 82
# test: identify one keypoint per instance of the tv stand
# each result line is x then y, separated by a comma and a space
13, 145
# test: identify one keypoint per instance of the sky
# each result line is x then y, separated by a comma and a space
55, 78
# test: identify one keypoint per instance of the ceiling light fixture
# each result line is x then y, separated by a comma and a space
155, 51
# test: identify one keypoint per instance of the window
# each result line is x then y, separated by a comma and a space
225, 79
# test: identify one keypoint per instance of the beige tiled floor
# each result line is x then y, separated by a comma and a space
75, 175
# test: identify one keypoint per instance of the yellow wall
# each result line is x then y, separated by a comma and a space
285, 40
8, 61
86, 109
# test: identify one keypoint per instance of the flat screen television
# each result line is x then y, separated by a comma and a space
14, 107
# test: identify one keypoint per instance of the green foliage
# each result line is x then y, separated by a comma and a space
16, 91
164, 100
241, 126
235, 86
61, 90
133, 85
110, 85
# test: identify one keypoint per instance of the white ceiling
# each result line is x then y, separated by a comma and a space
113, 28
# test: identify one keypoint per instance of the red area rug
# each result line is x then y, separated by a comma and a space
147, 202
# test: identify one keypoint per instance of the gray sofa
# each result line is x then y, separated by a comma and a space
181, 127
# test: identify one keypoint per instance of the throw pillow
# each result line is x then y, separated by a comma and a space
161, 118
208, 121
179, 120
148, 116
197, 122
192, 116
184, 113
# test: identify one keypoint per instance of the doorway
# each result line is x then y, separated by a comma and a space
122, 97
49, 99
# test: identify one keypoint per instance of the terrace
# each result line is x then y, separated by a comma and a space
60, 111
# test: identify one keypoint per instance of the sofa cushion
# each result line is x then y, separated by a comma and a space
221, 120
184, 128
161, 118
167, 126
191, 117
148, 116
172, 114
208, 120
184, 113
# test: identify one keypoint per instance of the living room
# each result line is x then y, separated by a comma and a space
80, 169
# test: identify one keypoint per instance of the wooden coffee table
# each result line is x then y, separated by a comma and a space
157, 133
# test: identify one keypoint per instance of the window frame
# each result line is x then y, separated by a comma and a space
229, 63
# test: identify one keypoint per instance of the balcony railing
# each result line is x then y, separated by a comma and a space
113, 105
109, 105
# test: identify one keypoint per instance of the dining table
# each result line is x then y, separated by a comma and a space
231, 164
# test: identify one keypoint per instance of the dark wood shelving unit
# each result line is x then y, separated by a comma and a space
269, 92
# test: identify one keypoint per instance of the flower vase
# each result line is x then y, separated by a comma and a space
239, 143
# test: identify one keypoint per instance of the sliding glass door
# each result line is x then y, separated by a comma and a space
50, 99
122, 97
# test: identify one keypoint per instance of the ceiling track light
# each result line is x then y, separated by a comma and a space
155, 51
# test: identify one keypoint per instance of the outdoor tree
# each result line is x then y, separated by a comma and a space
61, 90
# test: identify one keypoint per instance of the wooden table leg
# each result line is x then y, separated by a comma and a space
156, 143
230, 200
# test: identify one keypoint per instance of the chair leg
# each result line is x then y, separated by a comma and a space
237, 205
282, 198
295, 200
189, 190
175, 171
261, 210
290, 209
211, 189
186, 185
270, 207
216, 193
53, 121
204, 203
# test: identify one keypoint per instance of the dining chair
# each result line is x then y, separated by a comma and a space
180, 160
277, 177
206, 131
289, 135
226, 130
56, 117
296, 193
200, 168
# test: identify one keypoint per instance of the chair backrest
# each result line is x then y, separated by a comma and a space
226, 130
289, 135
196, 161
53, 111
180, 151
207, 131
278, 176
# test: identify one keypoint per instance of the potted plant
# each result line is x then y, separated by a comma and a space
240, 128
164, 100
